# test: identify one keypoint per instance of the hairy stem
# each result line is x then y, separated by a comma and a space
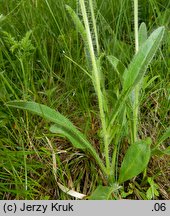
96, 81
136, 90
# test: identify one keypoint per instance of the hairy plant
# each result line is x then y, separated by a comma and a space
122, 114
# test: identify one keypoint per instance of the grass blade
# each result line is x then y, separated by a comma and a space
156, 150
165, 136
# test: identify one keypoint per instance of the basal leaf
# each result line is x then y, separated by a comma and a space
62, 124
141, 60
135, 160
60, 121
59, 130
101, 193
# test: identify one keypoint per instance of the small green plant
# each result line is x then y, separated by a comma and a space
123, 114
19, 52
152, 191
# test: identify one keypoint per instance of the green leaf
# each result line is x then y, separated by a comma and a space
101, 193
142, 34
62, 124
118, 66
50, 114
136, 70
152, 192
149, 193
135, 160
66, 133
78, 24
141, 60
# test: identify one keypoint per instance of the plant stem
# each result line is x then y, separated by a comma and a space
94, 26
136, 90
96, 82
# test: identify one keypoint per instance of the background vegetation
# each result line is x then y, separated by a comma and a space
41, 59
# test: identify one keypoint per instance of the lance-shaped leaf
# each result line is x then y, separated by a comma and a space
78, 24
141, 60
137, 68
135, 160
62, 125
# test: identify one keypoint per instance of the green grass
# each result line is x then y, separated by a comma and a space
44, 58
